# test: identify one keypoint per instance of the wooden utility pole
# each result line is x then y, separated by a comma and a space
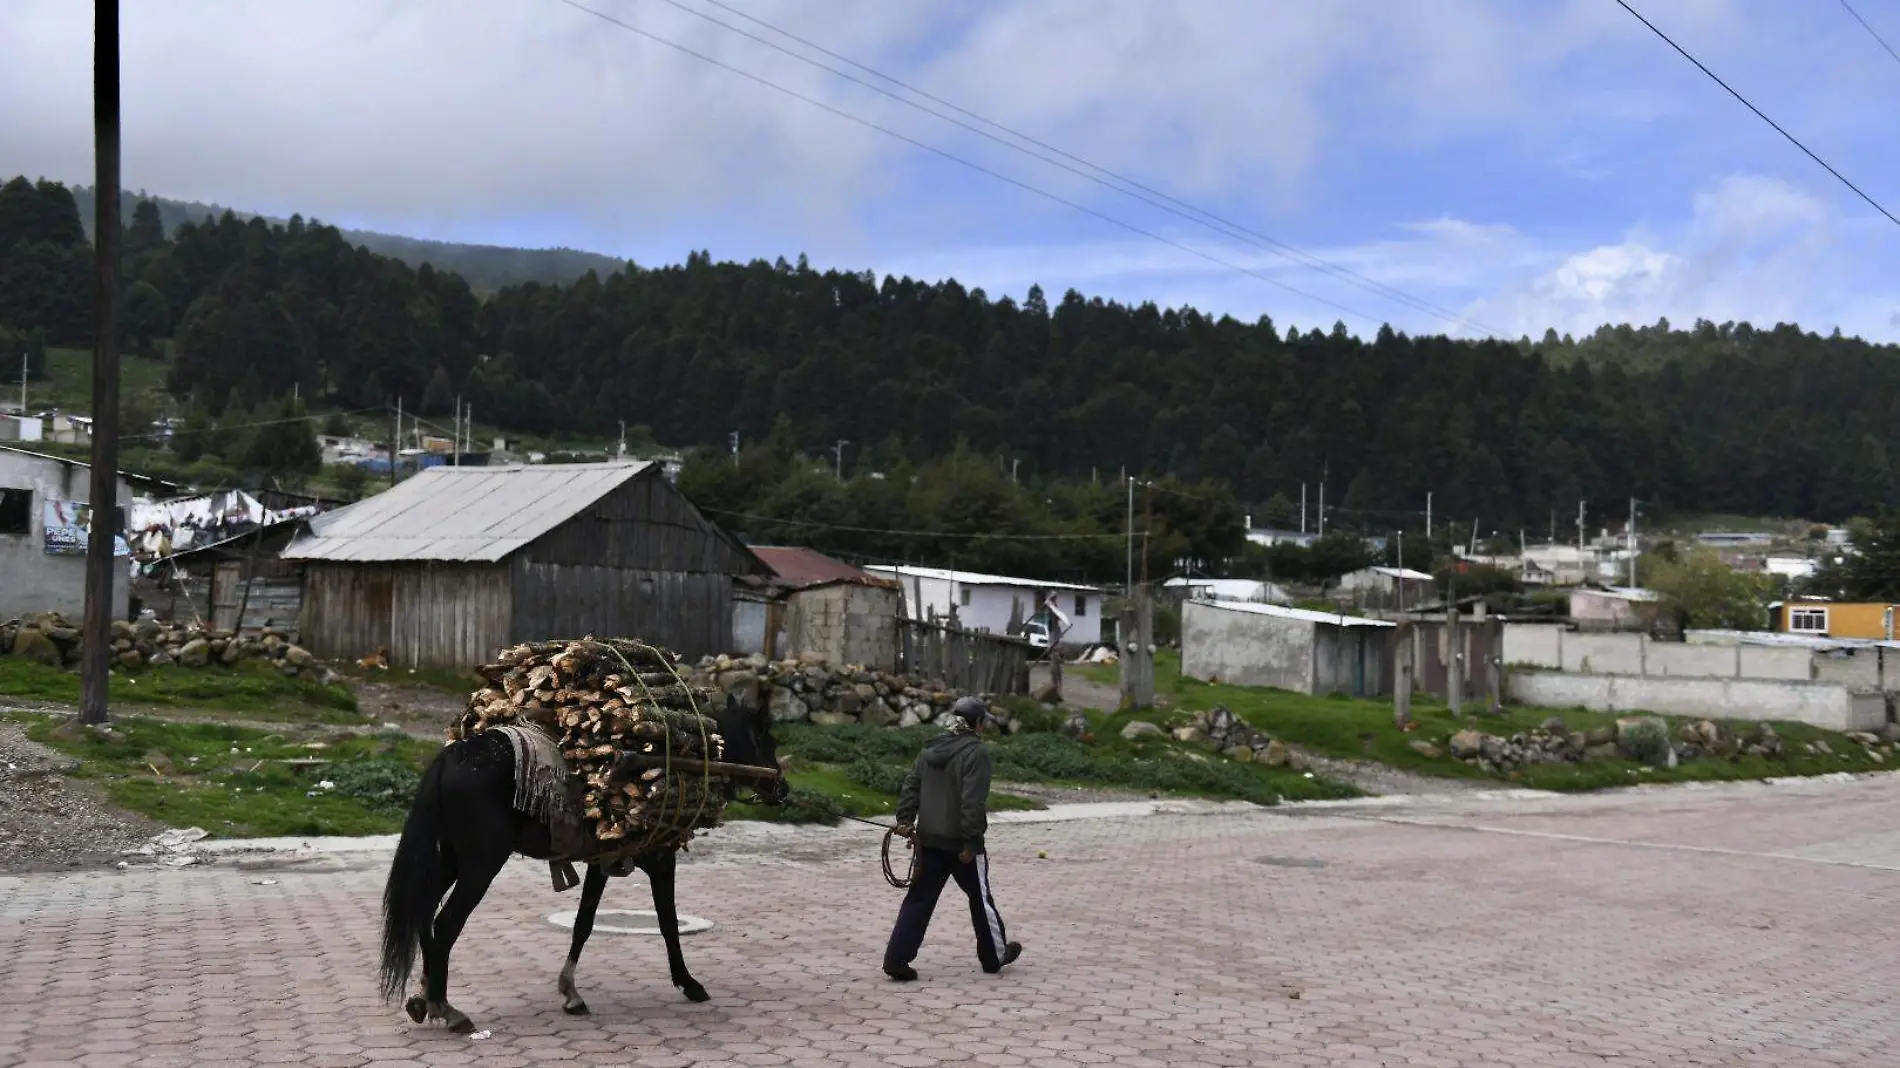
95, 653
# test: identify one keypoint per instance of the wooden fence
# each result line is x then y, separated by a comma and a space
964, 660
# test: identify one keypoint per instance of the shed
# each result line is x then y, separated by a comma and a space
44, 530
1286, 648
817, 605
239, 583
457, 562
1385, 587
1613, 608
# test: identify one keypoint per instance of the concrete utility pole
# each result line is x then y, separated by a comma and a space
1302, 507
1632, 542
1129, 584
455, 436
837, 452
735, 448
395, 442
1580, 507
103, 496
1428, 515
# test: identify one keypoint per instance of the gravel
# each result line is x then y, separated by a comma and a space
1379, 780
51, 823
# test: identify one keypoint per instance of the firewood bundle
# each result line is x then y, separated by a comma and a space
602, 700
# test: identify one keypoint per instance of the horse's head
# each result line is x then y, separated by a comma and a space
748, 735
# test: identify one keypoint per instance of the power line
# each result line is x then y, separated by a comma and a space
1758, 112
1875, 34
1115, 535
978, 167
1145, 194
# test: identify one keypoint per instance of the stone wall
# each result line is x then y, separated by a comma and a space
810, 690
51, 639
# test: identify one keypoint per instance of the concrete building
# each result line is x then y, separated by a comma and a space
1286, 648
812, 604
44, 529
21, 428
1613, 608
1385, 587
1836, 619
987, 603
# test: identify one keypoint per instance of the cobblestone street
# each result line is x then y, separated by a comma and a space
1727, 926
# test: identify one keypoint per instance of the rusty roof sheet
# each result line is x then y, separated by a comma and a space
465, 514
800, 568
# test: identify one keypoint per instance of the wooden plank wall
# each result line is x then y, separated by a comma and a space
428, 614
964, 660
644, 525
688, 613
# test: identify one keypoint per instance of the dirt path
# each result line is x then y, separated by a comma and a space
1078, 691
48, 821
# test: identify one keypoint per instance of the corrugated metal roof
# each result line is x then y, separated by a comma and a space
479, 514
1307, 614
801, 568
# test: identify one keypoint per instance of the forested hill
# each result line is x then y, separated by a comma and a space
1714, 418
486, 268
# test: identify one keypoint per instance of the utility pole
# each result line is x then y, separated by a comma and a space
1428, 515
1401, 584
1014, 462
455, 435
395, 442
468, 427
23, 370
1580, 510
1321, 510
1130, 583
103, 495
837, 451
1302, 507
1632, 543
623, 438
735, 448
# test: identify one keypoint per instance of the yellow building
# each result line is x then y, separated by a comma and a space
1838, 619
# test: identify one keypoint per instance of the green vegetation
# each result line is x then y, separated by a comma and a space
1356, 729
233, 782
253, 690
876, 759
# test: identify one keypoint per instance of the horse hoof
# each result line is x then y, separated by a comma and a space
695, 992
463, 1026
417, 1008
577, 1008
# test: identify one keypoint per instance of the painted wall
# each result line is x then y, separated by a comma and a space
31, 579
1844, 620
1247, 649
988, 609
1554, 648
1818, 704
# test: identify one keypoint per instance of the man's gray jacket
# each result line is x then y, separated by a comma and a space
946, 795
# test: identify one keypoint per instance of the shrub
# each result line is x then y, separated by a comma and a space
1036, 757
884, 778
382, 785
1647, 741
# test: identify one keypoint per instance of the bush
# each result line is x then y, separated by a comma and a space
1647, 741
382, 785
810, 806
884, 778
1039, 757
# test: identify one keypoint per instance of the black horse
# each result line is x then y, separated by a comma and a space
461, 830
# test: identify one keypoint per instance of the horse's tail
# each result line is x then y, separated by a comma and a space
415, 881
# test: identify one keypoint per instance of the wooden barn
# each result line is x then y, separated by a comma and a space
458, 562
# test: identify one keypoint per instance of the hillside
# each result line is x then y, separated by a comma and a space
487, 268
1712, 419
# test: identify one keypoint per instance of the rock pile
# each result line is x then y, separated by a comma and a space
1220, 730
1645, 739
810, 690
50, 639
603, 700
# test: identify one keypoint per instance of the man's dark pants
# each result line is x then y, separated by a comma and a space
934, 868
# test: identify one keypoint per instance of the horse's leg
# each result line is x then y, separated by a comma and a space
591, 890
660, 870
477, 869
418, 1006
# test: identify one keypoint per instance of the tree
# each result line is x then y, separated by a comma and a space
1871, 571
1281, 513
1699, 590
147, 316
439, 398
285, 444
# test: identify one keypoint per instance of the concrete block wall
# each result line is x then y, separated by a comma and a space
1246, 649
1825, 705
1555, 648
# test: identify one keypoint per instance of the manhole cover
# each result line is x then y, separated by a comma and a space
1290, 862
629, 922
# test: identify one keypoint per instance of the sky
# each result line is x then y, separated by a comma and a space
1461, 166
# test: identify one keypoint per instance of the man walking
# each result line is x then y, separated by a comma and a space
944, 810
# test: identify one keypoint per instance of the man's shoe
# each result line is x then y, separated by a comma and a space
1010, 952
903, 973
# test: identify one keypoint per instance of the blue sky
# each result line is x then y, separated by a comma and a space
1521, 163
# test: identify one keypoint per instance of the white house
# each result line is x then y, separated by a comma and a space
986, 603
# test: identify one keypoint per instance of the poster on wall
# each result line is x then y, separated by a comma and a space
67, 524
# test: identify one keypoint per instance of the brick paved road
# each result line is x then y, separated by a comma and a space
1749, 928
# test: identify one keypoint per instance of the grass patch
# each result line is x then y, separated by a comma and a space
253, 689
876, 759
1359, 729
231, 780
68, 382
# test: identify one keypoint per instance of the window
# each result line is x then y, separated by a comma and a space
1081, 606
963, 597
16, 511
1807, 620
